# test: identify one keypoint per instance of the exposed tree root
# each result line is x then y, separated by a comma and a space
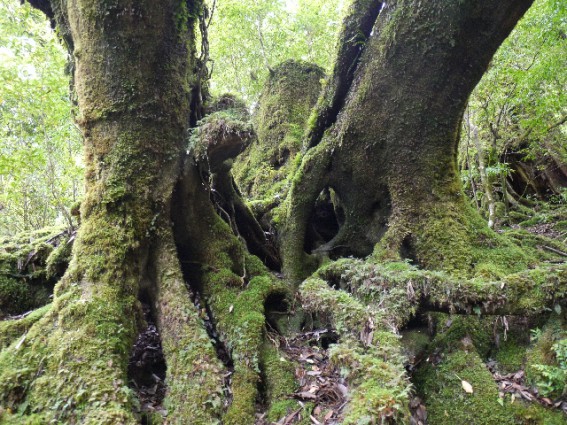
195, 376
368, 349
16, 327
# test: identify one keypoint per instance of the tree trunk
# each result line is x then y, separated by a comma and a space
396, 139
387, 128
133, 70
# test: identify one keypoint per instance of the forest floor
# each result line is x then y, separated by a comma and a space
322, 393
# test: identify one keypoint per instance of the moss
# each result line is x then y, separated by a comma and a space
26, 279
234, 286
195, 376
279, 382
71, 366
12, 329
219, 126
510, 356
370, 359
380, 389
440, 383
380, 283
446, 400
94, 323
459, 242
263, 172
452, 329
15, 296
543, 368
59, 258
534, 243
535, 414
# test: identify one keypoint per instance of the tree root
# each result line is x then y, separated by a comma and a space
195, 376
369, 350
371, 302
15, 328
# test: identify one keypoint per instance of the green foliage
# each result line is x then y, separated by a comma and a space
551, 378
517, 112
40, 162
249, 37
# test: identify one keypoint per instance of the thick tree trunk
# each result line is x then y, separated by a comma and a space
150, 227
396, 138
133, 69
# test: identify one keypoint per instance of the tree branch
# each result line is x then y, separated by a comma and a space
357, 27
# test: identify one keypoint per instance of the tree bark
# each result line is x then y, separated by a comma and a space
150, 229
132, 75
396, 138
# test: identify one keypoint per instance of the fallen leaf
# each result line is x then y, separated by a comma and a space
314, 420
467, 387
306, 395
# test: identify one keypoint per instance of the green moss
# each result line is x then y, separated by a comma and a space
59, 258
15, 296
534, 243
510, 356
452, 329
279, 382
373, 366
536, 414
26, 279
380, 389
264, 170
218, 126
446, 400
235, 287
10, 330
547, 358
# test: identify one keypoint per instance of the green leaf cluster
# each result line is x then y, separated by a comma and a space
40, 159
250, 37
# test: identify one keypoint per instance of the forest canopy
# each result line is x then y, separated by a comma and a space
283, 212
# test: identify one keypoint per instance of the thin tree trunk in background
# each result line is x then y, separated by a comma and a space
488, 194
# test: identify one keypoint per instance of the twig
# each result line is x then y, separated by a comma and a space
558, 252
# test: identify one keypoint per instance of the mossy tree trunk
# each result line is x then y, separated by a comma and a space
395, 140
133, 73
388, 129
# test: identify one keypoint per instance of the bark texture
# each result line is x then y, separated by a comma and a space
396, 138
171, 227
133, 75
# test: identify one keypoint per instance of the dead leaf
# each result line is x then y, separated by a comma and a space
343, 389
315, 421
305, 395
467, 387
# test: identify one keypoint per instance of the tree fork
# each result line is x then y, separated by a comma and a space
396, 137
